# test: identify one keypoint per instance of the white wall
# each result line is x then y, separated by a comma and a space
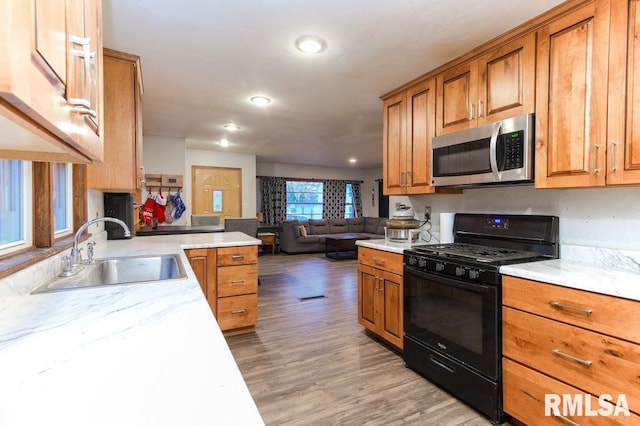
247, 163
367, 176
607, 217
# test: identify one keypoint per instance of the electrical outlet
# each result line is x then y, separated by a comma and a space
427, 212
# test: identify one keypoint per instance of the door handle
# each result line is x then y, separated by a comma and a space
493, 150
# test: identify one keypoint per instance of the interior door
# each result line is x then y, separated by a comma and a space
217, 190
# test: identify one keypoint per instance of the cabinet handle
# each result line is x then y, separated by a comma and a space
471, 111
237, 256
480, 109
403, 179
82, 106
566, 420
613, 156
379, 261
406, 178
559, 305
375, 287
595, 159
572, 358
237, 281
239, 311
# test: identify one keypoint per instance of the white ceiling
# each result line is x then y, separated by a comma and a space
203, 59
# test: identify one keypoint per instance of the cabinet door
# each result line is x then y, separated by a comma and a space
121, 166
367, 297
421, 121
571, 99
394, 145
203, 262
390, 288
506, 81
623, 151
457, 90
84, 82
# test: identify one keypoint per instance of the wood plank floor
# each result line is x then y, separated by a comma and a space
310, 362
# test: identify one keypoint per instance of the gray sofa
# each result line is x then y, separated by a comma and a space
293, 241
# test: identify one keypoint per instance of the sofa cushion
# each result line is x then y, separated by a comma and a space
338, 226
371, 225
310, 239
356, 224
318, 226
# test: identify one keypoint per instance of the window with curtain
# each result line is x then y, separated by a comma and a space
62, 198
349, 203
304, 200
14, 198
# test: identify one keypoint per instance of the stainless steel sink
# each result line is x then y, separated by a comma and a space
120, 270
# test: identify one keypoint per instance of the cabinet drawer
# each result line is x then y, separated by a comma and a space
237, 280
587, 360
237, 311
380, 259
609, 315
245, 255
524, 393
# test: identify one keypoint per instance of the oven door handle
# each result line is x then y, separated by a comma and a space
476, 288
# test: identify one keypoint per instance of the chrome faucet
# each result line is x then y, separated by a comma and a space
76, 258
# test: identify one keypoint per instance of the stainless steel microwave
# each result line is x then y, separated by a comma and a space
496, 153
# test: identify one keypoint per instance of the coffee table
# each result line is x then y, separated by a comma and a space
342, 246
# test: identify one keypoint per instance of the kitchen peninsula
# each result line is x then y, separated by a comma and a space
149, 353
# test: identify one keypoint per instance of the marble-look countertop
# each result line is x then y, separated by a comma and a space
389, 246
142, 354
606, 271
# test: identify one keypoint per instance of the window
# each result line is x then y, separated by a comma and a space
62, 198
304, 200
15, 205
349, 203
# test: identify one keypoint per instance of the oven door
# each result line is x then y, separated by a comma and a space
457, 318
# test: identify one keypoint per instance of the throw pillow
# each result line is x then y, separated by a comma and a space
303, 231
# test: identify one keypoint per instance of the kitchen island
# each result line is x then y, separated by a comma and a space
137, 354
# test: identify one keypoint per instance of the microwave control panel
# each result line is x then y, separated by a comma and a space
513, 149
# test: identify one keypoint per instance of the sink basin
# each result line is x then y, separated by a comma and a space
120, 270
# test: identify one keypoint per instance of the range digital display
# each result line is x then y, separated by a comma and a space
497, 222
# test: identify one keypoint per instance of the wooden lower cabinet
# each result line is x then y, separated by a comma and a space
563, 341
380, 295
229, 279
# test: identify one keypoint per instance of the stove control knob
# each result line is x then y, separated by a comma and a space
422, 263
439, 267
473, 274
459, 271
413, 261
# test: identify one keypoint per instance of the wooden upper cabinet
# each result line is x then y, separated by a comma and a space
506, 81
623, 149
394, 144
121, 169
39, 72
571, 99
421, 128
409, 126
457, 90
497, 85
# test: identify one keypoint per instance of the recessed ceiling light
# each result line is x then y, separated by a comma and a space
260, 100
352, 160
310, 44
224, 142
231, 127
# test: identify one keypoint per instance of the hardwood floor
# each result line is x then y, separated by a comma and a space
310, 362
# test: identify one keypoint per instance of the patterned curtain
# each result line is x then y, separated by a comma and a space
357, 198
334, 193
274, 199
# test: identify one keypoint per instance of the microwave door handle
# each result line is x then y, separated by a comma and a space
493, 150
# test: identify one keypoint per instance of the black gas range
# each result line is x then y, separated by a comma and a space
452, 302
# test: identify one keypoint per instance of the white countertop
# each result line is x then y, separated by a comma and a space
606, 271
580, 275
143, 354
